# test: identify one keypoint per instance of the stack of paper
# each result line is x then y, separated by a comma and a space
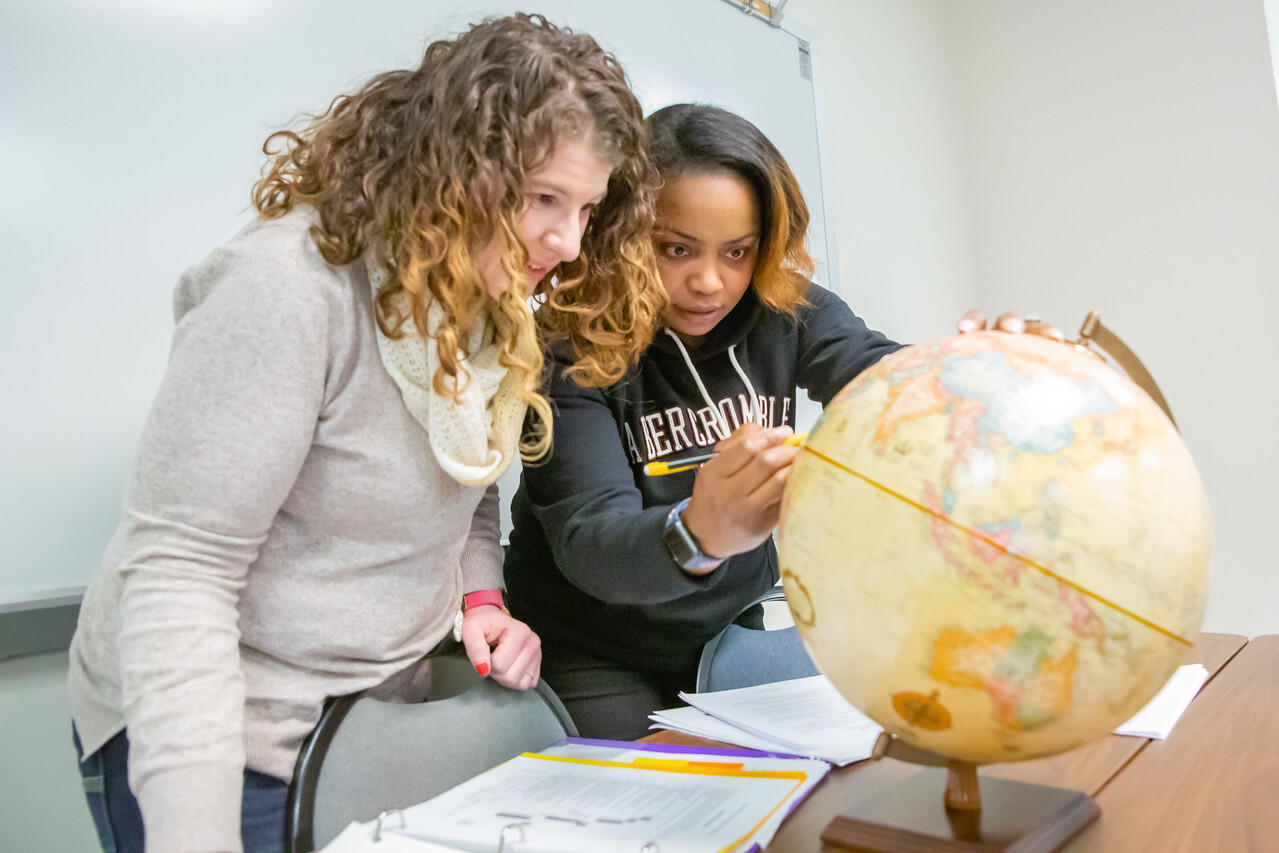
808, 716
1162, 713
587, 795
802, 716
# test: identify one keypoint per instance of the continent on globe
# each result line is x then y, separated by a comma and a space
1028, 689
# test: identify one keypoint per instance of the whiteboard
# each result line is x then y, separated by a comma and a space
131, 137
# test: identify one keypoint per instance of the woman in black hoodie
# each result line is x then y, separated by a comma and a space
626, 576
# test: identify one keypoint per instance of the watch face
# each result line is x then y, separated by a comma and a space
685, 550
681, 545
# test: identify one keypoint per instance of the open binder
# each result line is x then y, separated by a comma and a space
590, 795
370, 837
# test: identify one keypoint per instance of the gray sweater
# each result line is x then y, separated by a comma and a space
287, 535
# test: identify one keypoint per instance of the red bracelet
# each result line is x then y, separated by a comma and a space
483, 596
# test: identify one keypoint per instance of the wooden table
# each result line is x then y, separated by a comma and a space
1212, 785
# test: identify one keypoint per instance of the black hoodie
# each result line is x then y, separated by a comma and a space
587, 565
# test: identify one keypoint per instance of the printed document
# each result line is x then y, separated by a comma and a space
588, 795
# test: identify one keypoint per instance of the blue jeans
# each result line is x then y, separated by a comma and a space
119, 822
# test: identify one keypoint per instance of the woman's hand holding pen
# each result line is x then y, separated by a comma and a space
737, 495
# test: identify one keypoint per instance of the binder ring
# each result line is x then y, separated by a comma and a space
501, 836
377, 830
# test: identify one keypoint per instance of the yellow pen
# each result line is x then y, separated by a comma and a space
657, 469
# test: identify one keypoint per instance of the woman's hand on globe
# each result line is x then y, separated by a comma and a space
1030, 324
737, 496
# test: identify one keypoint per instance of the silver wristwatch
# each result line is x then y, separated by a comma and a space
685, 550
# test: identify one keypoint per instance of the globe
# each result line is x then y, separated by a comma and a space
996, 546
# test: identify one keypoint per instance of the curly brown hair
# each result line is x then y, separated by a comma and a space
700, 138
425, 167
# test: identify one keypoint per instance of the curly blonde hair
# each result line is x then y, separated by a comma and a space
700, 138
427, 166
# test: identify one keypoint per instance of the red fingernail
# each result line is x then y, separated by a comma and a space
482, 669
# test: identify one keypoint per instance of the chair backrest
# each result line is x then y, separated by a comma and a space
366, 756
744, 657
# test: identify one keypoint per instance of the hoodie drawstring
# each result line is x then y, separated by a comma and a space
756, 414
719, 415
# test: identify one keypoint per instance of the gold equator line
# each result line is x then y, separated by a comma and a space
992, 543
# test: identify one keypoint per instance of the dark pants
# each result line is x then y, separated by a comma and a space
119, 822
609, 700
606, 699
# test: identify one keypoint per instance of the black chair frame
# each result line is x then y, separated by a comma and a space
299, 818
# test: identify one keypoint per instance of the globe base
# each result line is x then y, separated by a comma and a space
910, 816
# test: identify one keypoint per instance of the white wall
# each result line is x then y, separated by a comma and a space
1272, 26
1067, 155
901, 205
1133, 167
41, 806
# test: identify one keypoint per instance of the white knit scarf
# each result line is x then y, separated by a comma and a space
475, 438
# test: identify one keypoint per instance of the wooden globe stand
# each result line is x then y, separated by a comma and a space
1005, 816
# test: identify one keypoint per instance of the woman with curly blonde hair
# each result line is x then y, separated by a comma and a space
313, 508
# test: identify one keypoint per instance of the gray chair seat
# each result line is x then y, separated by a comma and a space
740, 656
366, 756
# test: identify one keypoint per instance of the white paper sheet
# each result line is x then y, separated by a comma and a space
804, 716
694, 721
1162, 712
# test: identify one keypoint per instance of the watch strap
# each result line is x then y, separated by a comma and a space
683, 546
476, 599
483, 596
